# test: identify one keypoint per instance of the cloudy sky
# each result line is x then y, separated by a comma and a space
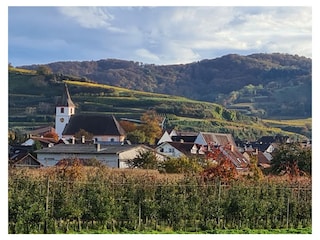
159, 35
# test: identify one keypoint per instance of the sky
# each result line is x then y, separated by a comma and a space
158, 35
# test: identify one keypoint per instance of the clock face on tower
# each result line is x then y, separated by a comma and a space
61, 119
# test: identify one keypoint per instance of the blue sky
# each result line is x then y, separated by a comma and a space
158, 35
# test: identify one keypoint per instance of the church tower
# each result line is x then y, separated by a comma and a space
64, 110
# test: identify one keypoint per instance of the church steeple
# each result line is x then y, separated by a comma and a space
64, 110
66, 99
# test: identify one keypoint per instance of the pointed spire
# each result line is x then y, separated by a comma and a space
66, 99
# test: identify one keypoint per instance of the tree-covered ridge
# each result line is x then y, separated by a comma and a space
33, 96
282, 79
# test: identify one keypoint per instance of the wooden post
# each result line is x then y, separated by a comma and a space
288, 209
45, 230
139, 221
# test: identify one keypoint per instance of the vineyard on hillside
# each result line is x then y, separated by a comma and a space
75, 199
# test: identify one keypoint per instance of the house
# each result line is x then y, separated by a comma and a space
210, 142
115, 156
104, 128
214, 139
44, 141
41, 131
177, 149
273, 139
263, 159
24, 159
177, 136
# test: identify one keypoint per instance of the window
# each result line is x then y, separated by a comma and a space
61, 110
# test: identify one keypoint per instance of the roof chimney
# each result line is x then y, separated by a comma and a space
98, 147
83, 139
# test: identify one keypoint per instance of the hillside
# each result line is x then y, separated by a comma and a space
32, 100
263, 85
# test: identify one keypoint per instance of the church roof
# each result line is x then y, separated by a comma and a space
95, 124
66, 99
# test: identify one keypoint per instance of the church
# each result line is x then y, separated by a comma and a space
104, 128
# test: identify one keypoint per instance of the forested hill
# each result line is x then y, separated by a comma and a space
264, 85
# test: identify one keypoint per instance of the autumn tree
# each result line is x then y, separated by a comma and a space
44, 70
151, 126
257, 174
53, 135
223, 170
83, 133
128, 126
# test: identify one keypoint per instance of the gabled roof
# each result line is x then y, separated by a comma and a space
24, 159
66, 99
189, 139
184, 147
273, 139
42, 131
43, 140
221, 139
182, 133
235, 156
260, 146
164, 138
97, 125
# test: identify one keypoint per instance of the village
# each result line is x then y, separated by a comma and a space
109, 144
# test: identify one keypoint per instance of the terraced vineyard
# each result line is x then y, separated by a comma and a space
32, 100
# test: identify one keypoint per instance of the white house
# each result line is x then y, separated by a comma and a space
177, 149
114, 156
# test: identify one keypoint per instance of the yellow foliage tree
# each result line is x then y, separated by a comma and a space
151, 126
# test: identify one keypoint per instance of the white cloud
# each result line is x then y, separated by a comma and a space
90, 17
166, 35
146, 55
244, 28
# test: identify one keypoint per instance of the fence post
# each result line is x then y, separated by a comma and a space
139, 221
288, 209
45, 230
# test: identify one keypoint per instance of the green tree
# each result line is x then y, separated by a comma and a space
145, 160
182, 165
136, 136
292, 159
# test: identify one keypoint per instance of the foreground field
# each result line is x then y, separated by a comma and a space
215, 231
101, 200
